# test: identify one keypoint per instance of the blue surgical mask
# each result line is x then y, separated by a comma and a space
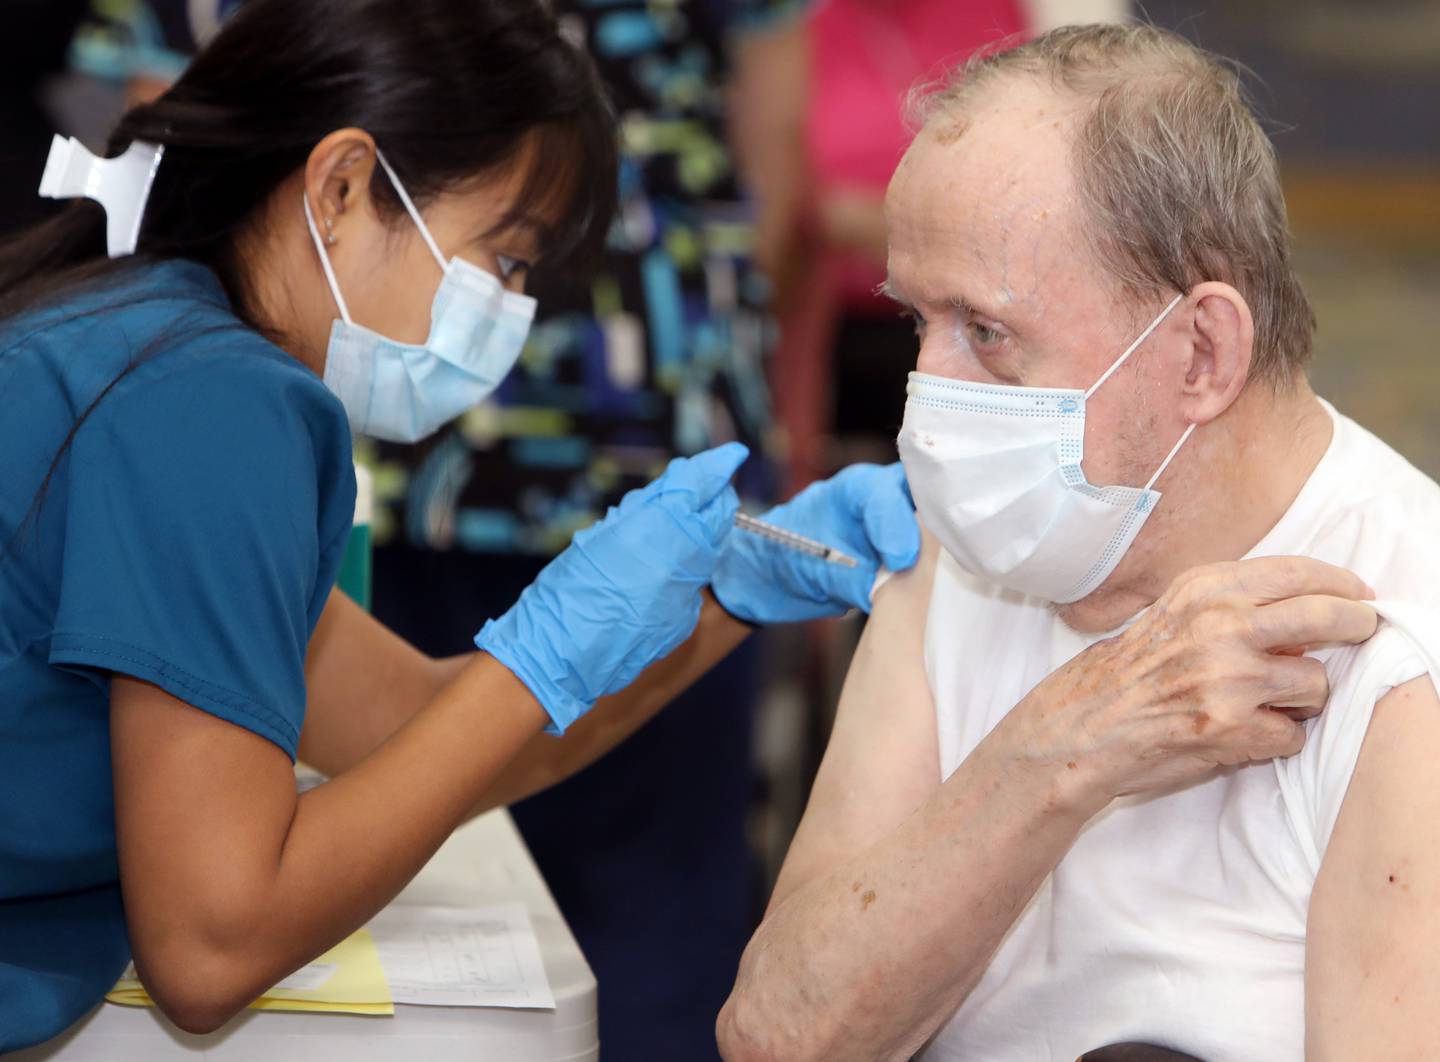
403, 392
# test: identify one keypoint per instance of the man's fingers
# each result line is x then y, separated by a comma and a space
1297, 714
1294, 682
1279, 736
1312, 620
1268, 579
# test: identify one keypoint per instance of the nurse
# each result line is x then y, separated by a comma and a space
332, 215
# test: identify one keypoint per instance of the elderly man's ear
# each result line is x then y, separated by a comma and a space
1222, 339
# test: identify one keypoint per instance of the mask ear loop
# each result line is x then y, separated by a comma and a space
325, 263
1131, 349
1166, 463
1135, 345
414, 213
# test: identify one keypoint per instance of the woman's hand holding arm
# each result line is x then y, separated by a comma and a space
231, 881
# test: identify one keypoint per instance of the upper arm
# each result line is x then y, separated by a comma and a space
362, 682
201, 810
206, 508
882, 761
1372, 986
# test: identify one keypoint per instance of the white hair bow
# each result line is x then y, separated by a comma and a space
121, 185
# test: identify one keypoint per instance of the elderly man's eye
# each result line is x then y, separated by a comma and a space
985, 336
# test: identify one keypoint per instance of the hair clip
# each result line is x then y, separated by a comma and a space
121, 185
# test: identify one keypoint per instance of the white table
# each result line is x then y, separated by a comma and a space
484, 862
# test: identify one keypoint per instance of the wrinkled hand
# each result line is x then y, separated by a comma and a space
864, 511
625, 593
1212, 675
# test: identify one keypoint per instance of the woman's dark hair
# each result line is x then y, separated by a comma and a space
450, 89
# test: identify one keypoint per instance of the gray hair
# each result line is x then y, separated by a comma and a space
1178, 182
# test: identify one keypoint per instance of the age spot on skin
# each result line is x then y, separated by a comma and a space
1202, 720
867, 899
855, 887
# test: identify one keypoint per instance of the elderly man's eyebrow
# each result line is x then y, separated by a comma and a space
965, 306
961, 302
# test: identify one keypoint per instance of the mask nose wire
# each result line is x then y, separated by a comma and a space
1135, 345
415, 214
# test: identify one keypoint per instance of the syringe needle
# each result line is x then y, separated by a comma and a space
782, 536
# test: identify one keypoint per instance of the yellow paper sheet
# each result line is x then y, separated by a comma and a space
347, 979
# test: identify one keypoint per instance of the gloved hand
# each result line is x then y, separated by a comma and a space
625, 593
864, 511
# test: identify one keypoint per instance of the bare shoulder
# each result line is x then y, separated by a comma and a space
1372, 988
882, 761
906, 595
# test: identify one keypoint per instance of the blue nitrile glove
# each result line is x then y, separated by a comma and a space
864, 511
625, 593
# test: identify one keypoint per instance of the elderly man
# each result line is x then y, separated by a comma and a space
1090, 233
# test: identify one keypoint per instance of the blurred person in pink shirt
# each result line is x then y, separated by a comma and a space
840, 367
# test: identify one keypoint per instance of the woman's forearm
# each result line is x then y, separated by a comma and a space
270, 880
365, 683
867, 961
341, 851
546, 760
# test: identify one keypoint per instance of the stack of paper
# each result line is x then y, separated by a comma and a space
426, 956
462, 956
347, 979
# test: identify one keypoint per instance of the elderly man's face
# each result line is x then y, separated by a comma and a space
987, 249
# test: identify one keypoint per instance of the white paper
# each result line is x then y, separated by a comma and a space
462, 956
309, 977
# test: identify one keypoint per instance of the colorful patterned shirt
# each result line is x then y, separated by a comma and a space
662, 353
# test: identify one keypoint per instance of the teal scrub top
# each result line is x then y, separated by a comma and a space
189, 536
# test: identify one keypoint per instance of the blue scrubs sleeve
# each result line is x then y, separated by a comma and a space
207, 508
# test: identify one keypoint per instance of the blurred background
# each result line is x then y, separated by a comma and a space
738, 302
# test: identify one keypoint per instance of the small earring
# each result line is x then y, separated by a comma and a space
330, 231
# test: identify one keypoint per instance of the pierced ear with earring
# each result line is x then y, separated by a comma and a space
330, 231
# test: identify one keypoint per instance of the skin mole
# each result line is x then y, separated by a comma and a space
867, 899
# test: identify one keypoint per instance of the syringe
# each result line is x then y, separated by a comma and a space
791, 540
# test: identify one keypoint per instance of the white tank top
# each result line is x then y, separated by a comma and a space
1179, 920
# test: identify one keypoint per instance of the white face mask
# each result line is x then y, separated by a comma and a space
996, 476
405, 391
